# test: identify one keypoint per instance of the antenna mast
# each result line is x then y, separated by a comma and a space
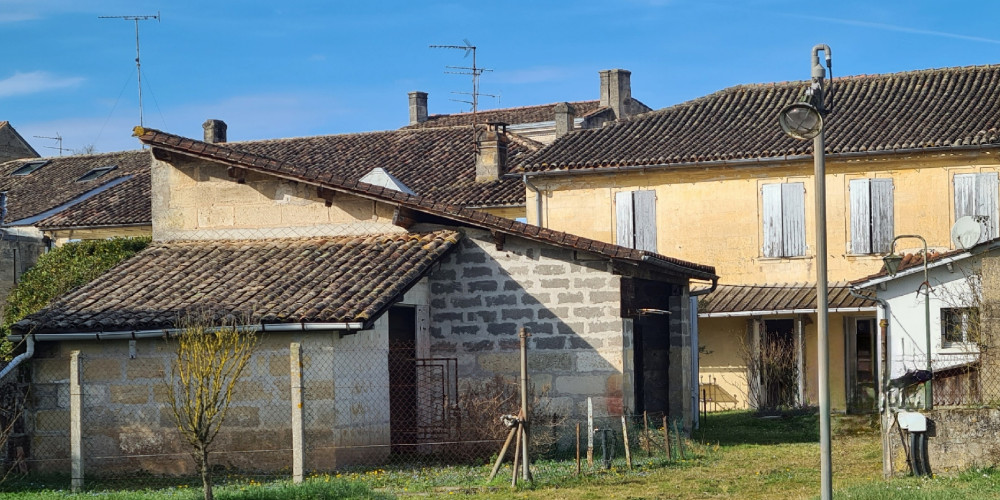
138, 66
57, 138
475, 71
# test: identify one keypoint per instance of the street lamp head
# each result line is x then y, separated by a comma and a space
801, 120
892, 262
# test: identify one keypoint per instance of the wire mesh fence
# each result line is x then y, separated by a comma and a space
104, 418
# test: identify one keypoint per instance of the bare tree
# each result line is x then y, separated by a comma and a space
209, 361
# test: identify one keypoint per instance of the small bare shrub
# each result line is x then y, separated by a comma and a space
772, 373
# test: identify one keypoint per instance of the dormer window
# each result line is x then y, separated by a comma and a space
95, 173
29, 167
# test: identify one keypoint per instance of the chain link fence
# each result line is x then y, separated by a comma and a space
365, 404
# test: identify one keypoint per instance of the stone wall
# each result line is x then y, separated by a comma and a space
958, 438
128, 424
17, 255
481, 296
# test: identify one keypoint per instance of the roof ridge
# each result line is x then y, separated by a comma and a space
515, 108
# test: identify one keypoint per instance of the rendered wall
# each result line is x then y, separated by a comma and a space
62, 236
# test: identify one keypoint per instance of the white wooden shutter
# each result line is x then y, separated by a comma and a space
624, 215
965, 195
793, 218
861, 216
644, 210
883, 229
986, 204
771, 204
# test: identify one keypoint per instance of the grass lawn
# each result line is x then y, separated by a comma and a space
734, 456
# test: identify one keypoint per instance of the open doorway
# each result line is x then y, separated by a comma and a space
403, 418
862, 370
777, 364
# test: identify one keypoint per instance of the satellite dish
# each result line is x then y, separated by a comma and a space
965, 233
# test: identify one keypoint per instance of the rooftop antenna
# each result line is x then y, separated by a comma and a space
475, 71
138, 67
57, 138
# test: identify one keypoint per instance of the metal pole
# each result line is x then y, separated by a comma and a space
928, 385
822, 327
524, 401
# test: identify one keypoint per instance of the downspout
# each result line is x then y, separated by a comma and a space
28, 353
538, 199
883, 399
695, 354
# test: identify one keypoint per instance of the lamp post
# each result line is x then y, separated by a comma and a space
892, 262
804, 120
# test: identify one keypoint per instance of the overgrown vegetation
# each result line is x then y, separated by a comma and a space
211, 356
772, 372
60, 271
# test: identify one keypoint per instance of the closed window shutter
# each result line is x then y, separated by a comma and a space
771, 204
883, 230
644, 209
624, 215
793, 218
861, 216
965, 195
986, 204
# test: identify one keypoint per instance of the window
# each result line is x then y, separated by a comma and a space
784, 219
29, 167
96, 172
958, 324
976, 196
871, 216
635, 213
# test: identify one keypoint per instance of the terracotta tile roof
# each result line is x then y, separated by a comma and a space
437, 163
224, 154
510, 116
127, 204
911, 260
55, 184
929, 109
734, 299
312, 280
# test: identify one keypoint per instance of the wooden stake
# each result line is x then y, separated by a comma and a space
666, 438
645, 431
517, 455
590, 432
503, 453
628, 451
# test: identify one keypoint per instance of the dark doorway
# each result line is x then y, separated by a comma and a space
862, 370
647, 302
779, 371
402, 379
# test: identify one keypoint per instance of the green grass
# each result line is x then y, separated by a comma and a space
734, 456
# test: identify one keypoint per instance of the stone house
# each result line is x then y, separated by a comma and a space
715, 179
370, 285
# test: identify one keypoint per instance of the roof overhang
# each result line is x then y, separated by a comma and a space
173, 332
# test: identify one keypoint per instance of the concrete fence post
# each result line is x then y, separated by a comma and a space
75, 422
298, 453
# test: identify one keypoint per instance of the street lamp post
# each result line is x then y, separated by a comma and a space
804, 120
892, 262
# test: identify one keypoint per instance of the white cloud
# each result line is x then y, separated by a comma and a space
34, 82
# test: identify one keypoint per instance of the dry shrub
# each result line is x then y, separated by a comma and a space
12, 399
482, 403
772, 373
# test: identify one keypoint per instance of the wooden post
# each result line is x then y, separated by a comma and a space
645, 431
680, 441
75, 423
666, 438
578, 449
298, 452
590, 432
628, 450
517, 454
503, 453
525, 423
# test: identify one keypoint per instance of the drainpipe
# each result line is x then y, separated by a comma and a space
538, 199
883, 389
29, 352
695, 361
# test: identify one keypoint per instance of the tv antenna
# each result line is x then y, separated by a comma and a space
138, 66
57, 138
475, 71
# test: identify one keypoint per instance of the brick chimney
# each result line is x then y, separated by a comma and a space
564, 119
215, 131
616, 90
491, 155
418, 107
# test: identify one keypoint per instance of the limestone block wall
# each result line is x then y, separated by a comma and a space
198, 200
62, 236
481, 296
127, 423
958, 439
17, 255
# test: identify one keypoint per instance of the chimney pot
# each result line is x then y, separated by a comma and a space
418, 107
215, 131
564, 118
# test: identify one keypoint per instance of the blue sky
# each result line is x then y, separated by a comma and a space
297, 68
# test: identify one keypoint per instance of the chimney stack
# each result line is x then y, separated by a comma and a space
564, 119
491, 155
215, 131
418, 107
616, 90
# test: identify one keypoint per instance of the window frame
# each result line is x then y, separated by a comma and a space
96, 173
978, 195
29, 168
959, 318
